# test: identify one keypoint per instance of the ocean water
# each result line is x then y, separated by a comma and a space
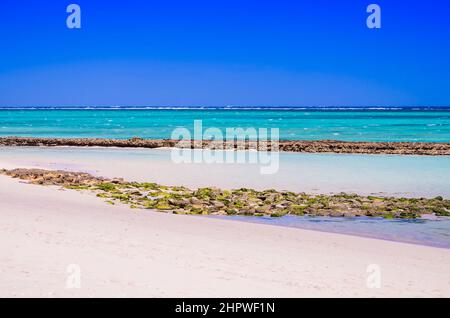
421, 124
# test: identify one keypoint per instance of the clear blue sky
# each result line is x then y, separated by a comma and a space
224, 52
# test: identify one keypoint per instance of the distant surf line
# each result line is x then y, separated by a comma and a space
240, 108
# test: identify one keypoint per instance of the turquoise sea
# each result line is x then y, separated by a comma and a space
356, 124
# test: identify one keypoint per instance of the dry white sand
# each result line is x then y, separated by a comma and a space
125, 252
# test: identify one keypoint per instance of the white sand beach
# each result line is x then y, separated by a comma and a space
126, 252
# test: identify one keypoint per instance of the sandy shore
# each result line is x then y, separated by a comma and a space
125, 252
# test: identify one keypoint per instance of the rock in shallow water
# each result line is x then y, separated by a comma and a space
308, 146
234, 202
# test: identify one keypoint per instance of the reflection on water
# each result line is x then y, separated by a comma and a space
419, 231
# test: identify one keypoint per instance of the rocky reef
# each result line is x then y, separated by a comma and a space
319, 146
182, 200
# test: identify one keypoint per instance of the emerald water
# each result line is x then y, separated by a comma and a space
431, 125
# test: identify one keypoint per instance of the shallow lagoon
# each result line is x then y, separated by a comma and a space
385, 175
388, 175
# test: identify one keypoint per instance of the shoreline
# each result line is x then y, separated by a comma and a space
123, 252
366, 235
297, 146
86, 184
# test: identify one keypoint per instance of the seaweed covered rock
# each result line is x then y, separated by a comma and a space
182, 200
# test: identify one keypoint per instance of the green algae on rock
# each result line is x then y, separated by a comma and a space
214, 201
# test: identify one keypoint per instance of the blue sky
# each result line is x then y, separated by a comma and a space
290, 53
